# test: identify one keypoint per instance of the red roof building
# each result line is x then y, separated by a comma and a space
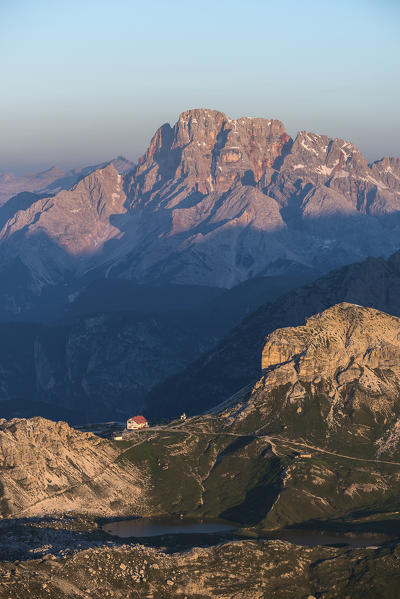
136, 422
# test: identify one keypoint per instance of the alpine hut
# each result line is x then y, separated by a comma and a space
136, 422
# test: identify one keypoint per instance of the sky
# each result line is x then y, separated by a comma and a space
86, 80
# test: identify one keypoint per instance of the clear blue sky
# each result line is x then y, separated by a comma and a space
84, 80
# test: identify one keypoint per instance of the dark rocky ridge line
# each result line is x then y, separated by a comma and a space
235, 362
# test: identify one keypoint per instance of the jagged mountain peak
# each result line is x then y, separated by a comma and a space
102, 174
207, 152
196, 120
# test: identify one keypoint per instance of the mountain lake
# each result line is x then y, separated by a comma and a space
158, 527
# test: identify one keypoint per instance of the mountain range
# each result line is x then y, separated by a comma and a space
213, 201
248, 279
125, 269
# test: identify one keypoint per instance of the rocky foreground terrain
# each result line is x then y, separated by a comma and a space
213, 201
312, 445
240, 570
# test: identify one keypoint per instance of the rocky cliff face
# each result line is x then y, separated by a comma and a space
336, 343
213, 201
48, 467
206, 152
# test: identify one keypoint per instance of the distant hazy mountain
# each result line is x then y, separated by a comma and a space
213, 201
230, 200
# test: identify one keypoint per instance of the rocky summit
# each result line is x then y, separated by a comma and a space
337, 376
213, 201
52, 180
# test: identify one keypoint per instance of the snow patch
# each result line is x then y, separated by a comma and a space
370, 179
324, 170
306, 147
346, 154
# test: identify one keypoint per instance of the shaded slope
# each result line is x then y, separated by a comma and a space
100, 365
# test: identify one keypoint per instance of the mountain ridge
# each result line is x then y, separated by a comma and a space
234, 362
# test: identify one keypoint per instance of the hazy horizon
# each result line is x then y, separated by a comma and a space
86, 82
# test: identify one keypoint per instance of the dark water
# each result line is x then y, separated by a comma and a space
312, 538
148, 527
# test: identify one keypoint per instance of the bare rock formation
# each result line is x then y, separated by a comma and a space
343, 339
48, 467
